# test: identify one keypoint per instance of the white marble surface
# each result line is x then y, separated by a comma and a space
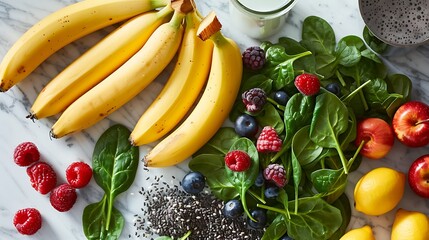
16, 16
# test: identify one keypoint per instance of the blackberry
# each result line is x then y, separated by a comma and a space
253, 58
275, 173
254, 99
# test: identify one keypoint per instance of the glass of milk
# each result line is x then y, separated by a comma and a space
259, 18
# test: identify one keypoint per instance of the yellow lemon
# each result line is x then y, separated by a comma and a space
410, 225
363, 233
379, 191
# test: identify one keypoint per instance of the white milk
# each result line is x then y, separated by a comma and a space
259, 18
263, 5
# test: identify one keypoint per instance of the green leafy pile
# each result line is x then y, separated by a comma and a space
318, 132
114, 164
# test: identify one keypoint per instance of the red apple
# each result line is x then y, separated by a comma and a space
377, 135
411, 124
418, 176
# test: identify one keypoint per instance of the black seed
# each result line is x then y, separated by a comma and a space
170, 211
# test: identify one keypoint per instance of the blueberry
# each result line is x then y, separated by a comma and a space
334, 88
233, 208
285, 237
246, 126
272, 192
193, 182
261, 219
260, 181
281, 97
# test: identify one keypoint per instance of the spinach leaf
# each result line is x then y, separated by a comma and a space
242, 181
256, 81
279, 66
315, 219
276, 229
305, 150
350, 135
114, 164
96, 228
115, 161
220, 142
331, 182
373, 42
298, 113
305, 64
212, 166
297, 175
348, 50
318, 36
343, 204
330, 119
269, 116
400, 86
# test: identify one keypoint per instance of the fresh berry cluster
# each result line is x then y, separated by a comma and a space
254, 99
237, 160
27, 221
43, 179
25, 154
276, 173
308, 84
268, 140
253, 58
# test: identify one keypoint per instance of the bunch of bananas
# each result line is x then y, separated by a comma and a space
191, 107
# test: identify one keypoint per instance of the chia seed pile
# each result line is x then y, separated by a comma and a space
170, 211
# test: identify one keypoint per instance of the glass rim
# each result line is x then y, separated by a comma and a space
278, 11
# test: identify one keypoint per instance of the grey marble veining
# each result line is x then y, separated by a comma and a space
16, 16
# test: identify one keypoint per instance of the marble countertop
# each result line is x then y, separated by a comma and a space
16, 16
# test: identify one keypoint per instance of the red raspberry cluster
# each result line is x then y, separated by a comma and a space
268, 140
237, 160
307, 84
43, 179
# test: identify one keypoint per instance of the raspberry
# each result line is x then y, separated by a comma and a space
78, 174
276, 173
307, 84
42, 177
63, 197
237, 160
25, 154
253, 58
254, 99
27, 221
268, 140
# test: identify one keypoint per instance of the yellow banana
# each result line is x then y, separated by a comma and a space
214, 105
181, 89
63, 27
97, 63
124, 83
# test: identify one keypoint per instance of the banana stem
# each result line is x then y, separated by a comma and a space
159, 3
210, 28
183, 6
